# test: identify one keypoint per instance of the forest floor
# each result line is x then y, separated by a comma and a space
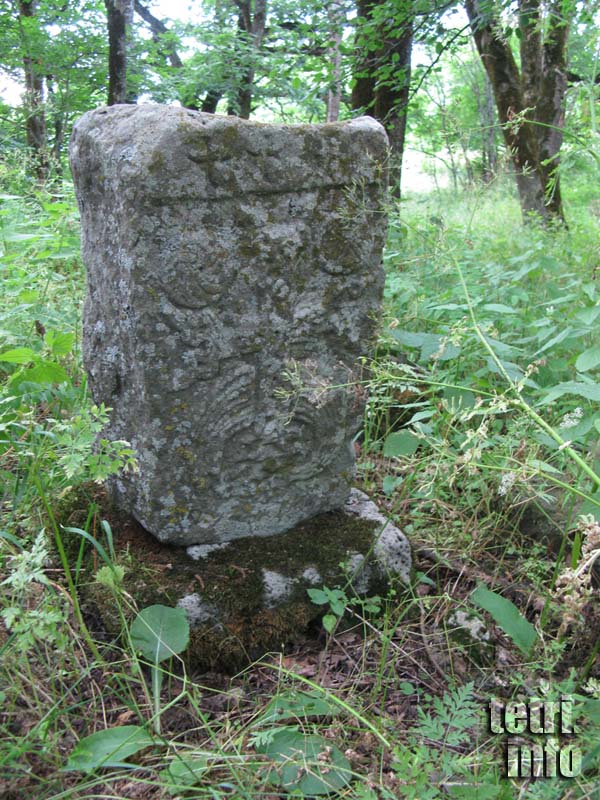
481, 442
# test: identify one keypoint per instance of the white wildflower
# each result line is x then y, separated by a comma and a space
572, 418
506, 483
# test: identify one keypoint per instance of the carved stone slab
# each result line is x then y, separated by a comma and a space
234, 281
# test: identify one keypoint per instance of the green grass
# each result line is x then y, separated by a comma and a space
488, 351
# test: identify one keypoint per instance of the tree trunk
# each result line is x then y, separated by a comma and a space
56, 119
251, 27
119, 14
531, 102
169, 52
211, 101
550, 110
382, 80
35, 120
479, 83
159, 29
488, 118
336, 18
519, 136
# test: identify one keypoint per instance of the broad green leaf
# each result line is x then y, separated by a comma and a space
588, 316
590, 290
108, 748
499, 308
579, 431
591, 506
403, 443
20, 355
59, 343
317, 596
28, 296
543, 466
329, 622
591, 391
44, 372
427, 413
411, 339
589, 359
160, 632
428, 343
295, 705
184, 772
309, 764
514, 371
458, 398
560, 337
590, 709
390, 483
501, 349
507, 616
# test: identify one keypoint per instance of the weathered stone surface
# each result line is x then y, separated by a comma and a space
234, 280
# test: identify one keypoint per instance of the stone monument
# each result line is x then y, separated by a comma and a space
234, 282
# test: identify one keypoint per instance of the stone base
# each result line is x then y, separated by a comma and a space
248, 597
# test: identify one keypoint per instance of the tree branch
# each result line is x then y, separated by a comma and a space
159, 29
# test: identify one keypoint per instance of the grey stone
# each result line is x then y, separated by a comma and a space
197, 610
277, 587
391, 548
199, 551
359, 573
312, 576
234, 281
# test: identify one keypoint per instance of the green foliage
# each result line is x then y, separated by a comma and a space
483, 355
483, 400
306, 763
507, 616
64, 47
49, 429
108, 748
159, 632
428, 773
296, 704
184, 773
338, 601
28, 622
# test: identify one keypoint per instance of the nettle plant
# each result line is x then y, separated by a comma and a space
503, 369
48, 427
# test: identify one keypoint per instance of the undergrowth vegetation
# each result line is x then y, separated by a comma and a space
480, 438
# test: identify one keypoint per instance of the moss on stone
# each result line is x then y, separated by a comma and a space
229, 579
157, 162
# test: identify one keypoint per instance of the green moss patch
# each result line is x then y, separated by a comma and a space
231, 581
